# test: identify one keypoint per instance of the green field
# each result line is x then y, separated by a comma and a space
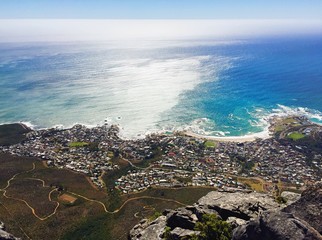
78, 144
296, 136
286, 123
210, 144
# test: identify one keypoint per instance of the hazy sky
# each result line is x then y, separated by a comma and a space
161, 9
68, 20
34, 30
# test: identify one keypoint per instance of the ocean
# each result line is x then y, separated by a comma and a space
214, 88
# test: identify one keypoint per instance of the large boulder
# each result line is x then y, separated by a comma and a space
180, 233
200, 209
236, 207
300, 220
290, 197
182, 218
239, 205
253, 216
276, 225
5, 235
309, 207
151, 231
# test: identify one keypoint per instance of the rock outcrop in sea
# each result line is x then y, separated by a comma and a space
252, 216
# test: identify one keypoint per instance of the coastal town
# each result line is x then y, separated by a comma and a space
176, 159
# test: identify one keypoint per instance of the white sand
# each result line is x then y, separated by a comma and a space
247, 138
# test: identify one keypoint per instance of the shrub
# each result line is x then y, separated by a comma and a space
211, 227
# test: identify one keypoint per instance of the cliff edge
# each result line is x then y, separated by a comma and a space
250, 216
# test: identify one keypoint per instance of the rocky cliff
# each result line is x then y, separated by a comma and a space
251, 216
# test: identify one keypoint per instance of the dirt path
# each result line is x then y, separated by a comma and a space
127, 201
14, 176
133, 165
4, 190
91, 200
147, 197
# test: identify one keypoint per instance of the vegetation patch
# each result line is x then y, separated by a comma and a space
296, 136
210, 144
78, 144
211, 227
254, 184
155, 215
286, 123
34, 193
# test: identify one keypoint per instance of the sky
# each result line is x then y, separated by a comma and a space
92, 20
161, 9
62, 30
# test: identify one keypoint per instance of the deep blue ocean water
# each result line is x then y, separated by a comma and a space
212, 88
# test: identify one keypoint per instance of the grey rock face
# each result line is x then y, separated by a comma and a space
309, 207
182, 218
253, 216
179, 233
152, 231
200, 210
235, 222
236, 207
290, 196
239, 205
275, 225
300, 220
5, 235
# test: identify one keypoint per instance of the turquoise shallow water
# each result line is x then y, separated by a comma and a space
226, 88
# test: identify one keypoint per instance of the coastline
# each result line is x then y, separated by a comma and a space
246, 138
266, 133
240, 139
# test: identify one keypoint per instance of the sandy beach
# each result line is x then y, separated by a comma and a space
246, 138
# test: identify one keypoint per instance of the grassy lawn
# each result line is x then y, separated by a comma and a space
255, 184
296, 136
286, 123
210, 144
289, 120
279, 128
77, 144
